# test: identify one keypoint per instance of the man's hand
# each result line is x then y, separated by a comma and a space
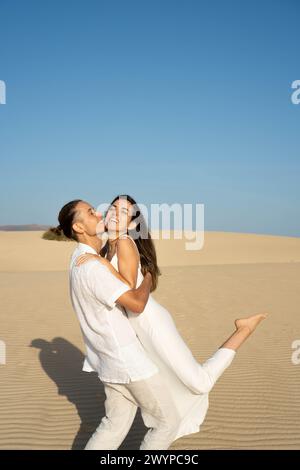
87, 257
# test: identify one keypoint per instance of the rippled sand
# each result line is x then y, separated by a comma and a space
47, 402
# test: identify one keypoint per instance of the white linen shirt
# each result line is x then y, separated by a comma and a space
113, 349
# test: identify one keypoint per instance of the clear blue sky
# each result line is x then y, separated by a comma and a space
169, 101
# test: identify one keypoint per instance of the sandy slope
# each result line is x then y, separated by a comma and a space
27, 251
47, 402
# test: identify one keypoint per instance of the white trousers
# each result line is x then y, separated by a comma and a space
121, 404
157, 408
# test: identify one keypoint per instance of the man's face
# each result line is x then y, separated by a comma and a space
87, 220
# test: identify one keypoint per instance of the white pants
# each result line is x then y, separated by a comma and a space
121, 404
157, 407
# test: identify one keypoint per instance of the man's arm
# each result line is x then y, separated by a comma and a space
135, 299
113, 270
109, 289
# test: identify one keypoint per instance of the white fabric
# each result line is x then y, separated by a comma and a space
112, 347
187, 381
122, 401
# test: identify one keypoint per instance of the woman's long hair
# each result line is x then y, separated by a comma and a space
143, 241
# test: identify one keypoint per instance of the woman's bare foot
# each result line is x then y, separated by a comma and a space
250, 322
244, 328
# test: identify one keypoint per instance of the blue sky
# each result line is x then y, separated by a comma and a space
169, 101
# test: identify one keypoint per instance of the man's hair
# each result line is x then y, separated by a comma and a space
66, 218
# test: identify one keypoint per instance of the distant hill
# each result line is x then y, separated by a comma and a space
23, 228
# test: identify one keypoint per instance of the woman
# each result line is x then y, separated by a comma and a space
130, 251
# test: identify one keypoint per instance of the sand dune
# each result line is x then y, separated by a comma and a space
47, 402
27, 251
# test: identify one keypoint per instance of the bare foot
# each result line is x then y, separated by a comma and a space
250, 322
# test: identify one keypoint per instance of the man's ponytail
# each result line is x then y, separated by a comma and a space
66, 218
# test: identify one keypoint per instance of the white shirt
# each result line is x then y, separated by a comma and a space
112, 348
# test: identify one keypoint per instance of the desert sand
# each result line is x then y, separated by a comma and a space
47, 402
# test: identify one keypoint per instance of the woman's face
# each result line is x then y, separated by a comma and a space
118, 216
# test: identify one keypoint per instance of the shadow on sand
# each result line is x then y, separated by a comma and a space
62, 362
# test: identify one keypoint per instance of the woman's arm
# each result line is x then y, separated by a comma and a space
128, 261
135, 300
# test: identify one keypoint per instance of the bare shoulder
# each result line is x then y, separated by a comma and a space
126, 245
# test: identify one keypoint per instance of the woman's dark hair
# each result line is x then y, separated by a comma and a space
143, 241
66, 218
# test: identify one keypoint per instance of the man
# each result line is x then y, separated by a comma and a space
130, 378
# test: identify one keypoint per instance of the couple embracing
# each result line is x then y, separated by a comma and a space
131, 341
